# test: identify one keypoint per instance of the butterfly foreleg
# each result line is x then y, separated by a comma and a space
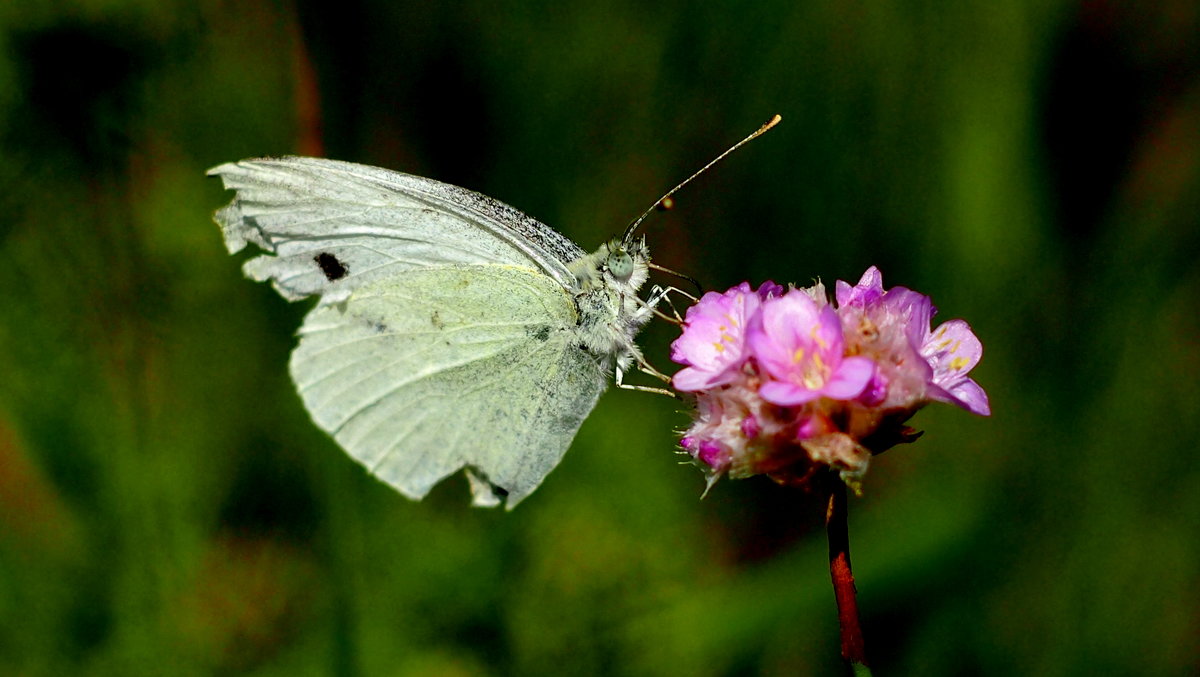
619, 374
659, 294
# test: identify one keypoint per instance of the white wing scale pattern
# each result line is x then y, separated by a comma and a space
415, 389
445, 337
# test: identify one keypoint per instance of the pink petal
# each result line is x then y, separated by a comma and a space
966, 394
786, 394
868, 290
829, 334
953, 340
773, 356
691, 379
850, 379
972, 397
916, 307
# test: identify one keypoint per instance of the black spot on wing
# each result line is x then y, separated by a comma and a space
330, 265
540, 332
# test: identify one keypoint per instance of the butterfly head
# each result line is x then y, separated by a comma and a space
626, 261
618, 265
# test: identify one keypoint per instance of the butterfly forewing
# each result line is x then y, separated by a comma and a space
335, 226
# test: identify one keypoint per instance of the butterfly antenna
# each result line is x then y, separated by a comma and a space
694, 281
665, 201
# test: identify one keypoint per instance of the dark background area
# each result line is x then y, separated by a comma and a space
166, 506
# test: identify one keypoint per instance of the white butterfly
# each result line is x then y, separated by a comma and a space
451, 330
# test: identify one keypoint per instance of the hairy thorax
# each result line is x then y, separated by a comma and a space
606, 295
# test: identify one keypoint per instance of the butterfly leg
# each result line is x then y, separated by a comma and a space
646, 368
659, 294
633, 355
620, 379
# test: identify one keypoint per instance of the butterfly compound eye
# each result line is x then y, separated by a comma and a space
620, 264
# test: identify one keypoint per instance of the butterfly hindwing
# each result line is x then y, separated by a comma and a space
441, 368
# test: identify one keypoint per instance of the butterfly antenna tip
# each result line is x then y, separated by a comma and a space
665, 202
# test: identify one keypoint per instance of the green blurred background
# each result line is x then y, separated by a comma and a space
166, 506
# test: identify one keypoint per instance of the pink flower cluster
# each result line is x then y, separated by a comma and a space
787, 383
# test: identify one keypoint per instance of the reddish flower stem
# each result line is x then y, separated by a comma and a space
853, 649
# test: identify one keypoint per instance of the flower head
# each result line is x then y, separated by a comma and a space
787, 383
